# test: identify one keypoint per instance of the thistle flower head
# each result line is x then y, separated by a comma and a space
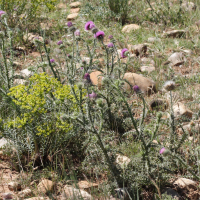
162, 150
2, 12
99, 35
136, 88
110, 45
169, 85
110, 37
52, 60
87, 76
92, 95
89, 25
59, 42
123, 53
77, 33
69, 24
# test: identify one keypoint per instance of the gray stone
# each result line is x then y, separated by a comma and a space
3, 142
73, 193
172, 193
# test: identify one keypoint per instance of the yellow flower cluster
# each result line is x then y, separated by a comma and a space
32, 100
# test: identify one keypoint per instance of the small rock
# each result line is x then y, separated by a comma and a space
189, 6
122, 193
30, 37
96, 78
72, 16
75, 4
73, 193
87, 186
147, 61
148, 69
14, 186
36, 198
74, 10
122, 160
61, 6
159, 104
26, 72
174, 33
5, 196
139, 49
129, 28
154, 39
180, 110
3, 142
185, 183
192, 127
45, 186
19, 82
45, 26
198, 24
172, 193
24, 193
177, 59
146, 85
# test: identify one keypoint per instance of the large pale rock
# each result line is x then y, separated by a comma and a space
45, 186
138, 49
14, 186
72, 16
146, 85
174, 33
180, 110
185, 183
123, 161
96, 78
73, 193
25, 193
177, 59
75, 4
87, 186
129, 28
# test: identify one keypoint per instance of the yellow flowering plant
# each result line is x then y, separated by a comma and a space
41, 104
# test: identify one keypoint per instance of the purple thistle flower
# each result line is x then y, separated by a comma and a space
2, 12
123, 53
59, 42
81, 68
89, 25
92, 95
136, 88
77, 33
52, 60
69, 24
110, 45
162, 150
99, 35
15, 9
87, 77
110, 37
